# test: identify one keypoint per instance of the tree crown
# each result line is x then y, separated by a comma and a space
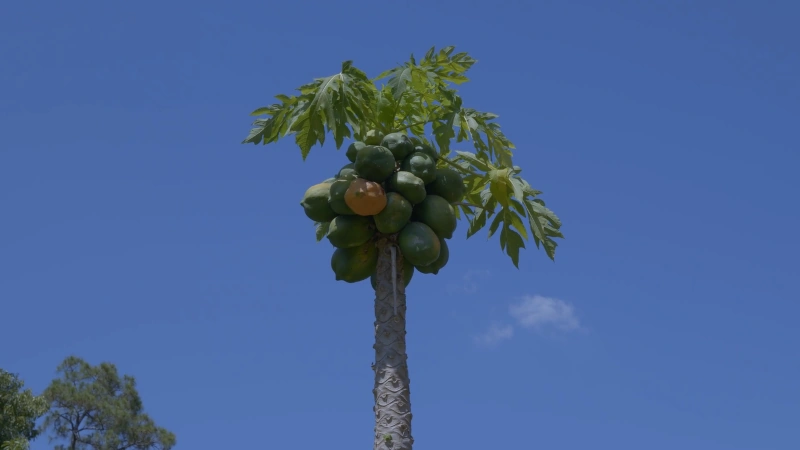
418, 96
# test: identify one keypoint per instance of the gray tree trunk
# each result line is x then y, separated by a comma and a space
392, 395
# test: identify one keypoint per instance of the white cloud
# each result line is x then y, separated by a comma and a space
469, 284
495, 334
537, 311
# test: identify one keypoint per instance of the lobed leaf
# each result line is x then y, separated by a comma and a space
322, 229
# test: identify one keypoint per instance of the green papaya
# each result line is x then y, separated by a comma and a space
421, 165
315, 203
408, 185
441, 261
395, 215
374, 137
354, 264
347, 172
399, 144
336, 199
419, 244
350, 231
374, 163
352, 149
448, 184
427, 149
437, 213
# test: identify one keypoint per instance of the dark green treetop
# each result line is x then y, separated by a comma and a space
19, 409
93, 408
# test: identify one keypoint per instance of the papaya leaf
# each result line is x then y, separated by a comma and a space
399, 79
550, 248
386, 108
542, 211
495, 223
498, 186
538, 217
486, 135
322, 229
533, 220
518, 207
475, 161
516, 186
443, 133
477, 222
513, 242
327, 104
446, 67
516, 222
280, 115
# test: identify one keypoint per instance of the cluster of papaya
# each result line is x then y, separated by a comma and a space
392, 186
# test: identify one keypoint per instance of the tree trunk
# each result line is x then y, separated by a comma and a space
392, 395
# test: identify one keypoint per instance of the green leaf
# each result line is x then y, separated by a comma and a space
399, 78
533, 220
270, 129
517, 186
322, 229
550, 247
499, 186
446, 66
477, 222
513, 243
518, 207
473, 160
336, 103
386, 109
516, 221
495, 223
542, 211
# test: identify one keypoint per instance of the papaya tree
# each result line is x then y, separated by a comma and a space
390, 211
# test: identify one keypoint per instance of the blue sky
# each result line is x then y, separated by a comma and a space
137, 230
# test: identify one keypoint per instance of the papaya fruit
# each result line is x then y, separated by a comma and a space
408, 273
315, 203
421, 165
347, 172
395, 215
374, 163
419, 244
350, 231
373, 137
399, 144
427, 149
354, 264
364, 197
441, 261
438, 214
336, 199
408, 185
448, 184
352, 149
